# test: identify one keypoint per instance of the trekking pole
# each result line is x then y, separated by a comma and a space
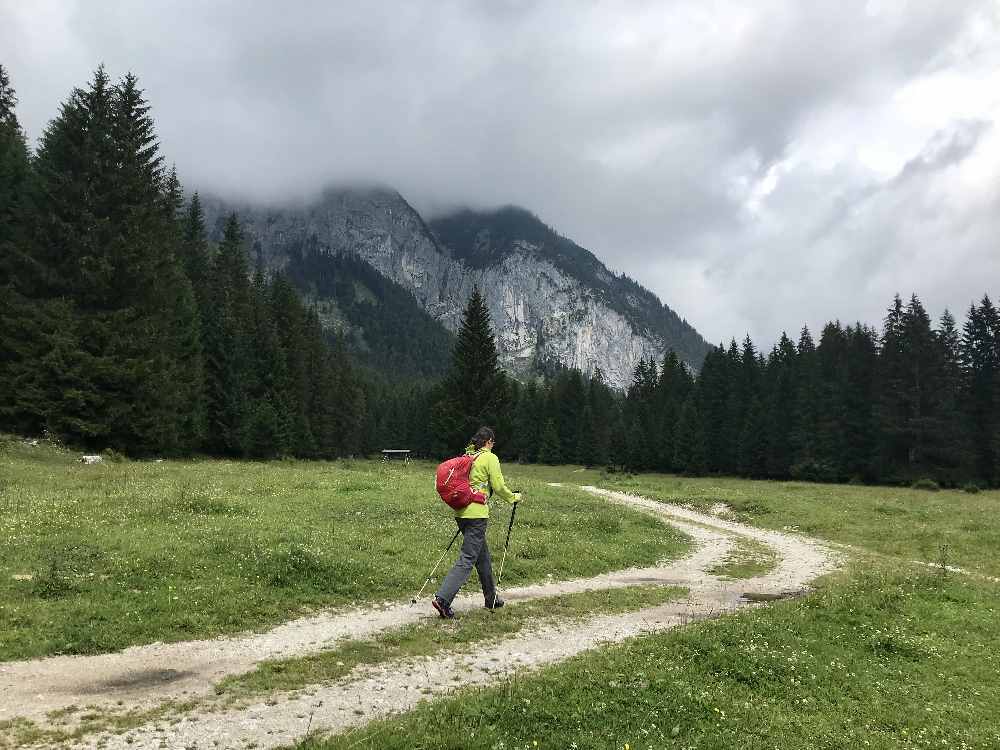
434, 569
510, 526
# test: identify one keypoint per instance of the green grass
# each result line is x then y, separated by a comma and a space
888, 660
883, 655
98, 558
961, 528
747, 559
424, 639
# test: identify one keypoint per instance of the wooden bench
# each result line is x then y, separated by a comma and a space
388, 454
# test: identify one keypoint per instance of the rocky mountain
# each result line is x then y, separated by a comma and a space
552, 302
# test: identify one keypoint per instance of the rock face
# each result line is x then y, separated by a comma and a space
551, 301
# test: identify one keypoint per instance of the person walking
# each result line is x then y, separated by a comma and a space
487, 478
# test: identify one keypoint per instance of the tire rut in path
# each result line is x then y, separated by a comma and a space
371, 692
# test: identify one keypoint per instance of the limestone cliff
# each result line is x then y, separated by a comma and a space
552, 302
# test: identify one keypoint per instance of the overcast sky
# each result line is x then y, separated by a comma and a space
759, 165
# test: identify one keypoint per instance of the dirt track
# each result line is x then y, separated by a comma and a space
145, 676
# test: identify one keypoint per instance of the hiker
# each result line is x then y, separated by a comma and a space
486, 478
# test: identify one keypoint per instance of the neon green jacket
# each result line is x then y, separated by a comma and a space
487, 478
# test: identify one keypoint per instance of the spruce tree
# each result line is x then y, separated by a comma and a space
807, 403
102, 263
781, 398
861, 432
951, 453
13, 168
548, 445
753, 441
526, 423
714, 386
981, 370
293, 389
831, 435
228, 362
671, 390
194, 254
750, 432
21, 322
690, 440
924, 390
893, 410
602, 405
476, 391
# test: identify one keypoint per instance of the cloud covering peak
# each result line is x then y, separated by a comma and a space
759, 167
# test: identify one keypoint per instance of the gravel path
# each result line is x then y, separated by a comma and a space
144, 677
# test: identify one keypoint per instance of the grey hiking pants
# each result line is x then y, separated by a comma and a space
475, 552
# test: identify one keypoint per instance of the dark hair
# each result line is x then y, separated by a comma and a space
482, 437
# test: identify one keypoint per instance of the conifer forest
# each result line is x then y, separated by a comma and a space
123, 327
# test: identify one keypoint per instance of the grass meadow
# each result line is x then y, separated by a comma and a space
962, 529
98, 558
885, 654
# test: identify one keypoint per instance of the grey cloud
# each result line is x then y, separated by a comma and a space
634, 127
945, 149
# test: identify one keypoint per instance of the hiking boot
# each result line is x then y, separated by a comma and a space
443, 608
494, 604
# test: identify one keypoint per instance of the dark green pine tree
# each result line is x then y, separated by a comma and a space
548, 445
951, 452
183, 329
753, 441
339, 400
981, 373
20, 320
620, 438
101, 256
14, 167
228, 358
527, 426
290, 323
807, 403
153, 311
781, 394
476, 391
714, 387
861, 435
585, 442
737, 404
59, 257
751, 434
571, 403
672, 389
924, 389
831, 437
194, 253
268, 431
893, 407
689, 440
602, 406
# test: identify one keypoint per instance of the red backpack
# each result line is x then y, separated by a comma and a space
453, 482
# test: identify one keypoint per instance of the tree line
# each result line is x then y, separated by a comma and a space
911, 402
122, 327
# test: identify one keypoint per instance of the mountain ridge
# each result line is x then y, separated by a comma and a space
551, 300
